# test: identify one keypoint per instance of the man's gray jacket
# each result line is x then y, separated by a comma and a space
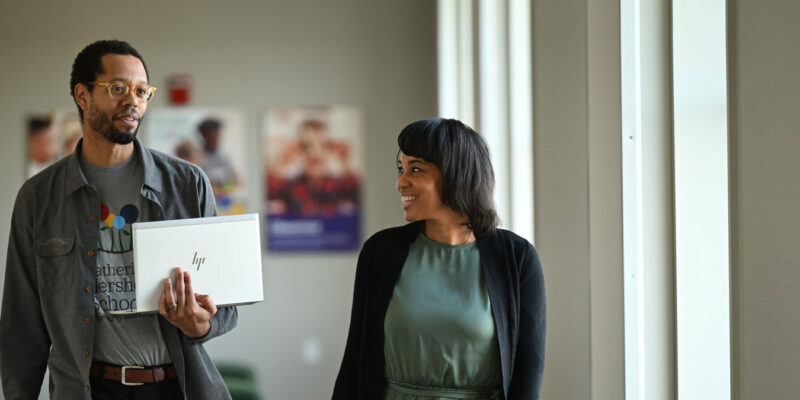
47, 317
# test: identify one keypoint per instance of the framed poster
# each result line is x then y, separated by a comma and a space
214, 139
313, 174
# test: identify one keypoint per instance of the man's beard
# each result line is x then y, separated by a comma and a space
102, 123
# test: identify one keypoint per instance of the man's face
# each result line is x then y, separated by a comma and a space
211, 139
117, 120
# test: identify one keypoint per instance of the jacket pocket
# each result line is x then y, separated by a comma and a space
55, 261
56, 246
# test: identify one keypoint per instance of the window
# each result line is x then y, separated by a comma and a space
500, 107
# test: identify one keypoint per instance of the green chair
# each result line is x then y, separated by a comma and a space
240, 379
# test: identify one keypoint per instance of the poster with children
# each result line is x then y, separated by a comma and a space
213, 138
312, 174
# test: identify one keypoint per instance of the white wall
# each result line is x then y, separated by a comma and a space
657, 202
380, 56
764, 61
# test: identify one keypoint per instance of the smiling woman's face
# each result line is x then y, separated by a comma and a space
420, 185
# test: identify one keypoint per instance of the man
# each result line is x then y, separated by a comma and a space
70, 262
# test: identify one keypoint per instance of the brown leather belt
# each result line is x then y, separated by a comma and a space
132, 375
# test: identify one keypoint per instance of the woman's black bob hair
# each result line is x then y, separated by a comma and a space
463, 158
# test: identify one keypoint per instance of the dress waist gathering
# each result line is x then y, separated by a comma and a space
443, 393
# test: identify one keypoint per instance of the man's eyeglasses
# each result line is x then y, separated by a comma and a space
118, 90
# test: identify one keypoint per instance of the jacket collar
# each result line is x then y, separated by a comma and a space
75, 178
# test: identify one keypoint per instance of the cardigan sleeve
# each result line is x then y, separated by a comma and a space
347, 385
526, 378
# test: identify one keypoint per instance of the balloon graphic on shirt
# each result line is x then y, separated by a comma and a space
117, 240
130, 213
109, 220
103, 211
119, 222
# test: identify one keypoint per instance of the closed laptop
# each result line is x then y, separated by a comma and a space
222, 254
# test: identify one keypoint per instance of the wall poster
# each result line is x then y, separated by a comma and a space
213, 138
313, 173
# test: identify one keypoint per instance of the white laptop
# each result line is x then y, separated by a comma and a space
222, 254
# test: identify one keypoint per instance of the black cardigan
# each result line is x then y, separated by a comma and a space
515, 283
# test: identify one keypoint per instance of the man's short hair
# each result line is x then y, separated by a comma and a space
37, 125
209, 125
88, 63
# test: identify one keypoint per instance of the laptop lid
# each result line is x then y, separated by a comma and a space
222, 254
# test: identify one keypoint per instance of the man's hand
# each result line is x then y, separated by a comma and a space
191, 312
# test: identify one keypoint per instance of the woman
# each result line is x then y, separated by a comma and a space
448, 306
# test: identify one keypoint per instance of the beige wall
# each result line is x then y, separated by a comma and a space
764, 61
560, 192
380, 56
577, 176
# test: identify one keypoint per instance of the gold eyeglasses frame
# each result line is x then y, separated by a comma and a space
150, 91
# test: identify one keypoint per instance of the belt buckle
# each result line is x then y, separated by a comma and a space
124, 380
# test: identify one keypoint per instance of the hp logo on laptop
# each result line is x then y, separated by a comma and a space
198, 261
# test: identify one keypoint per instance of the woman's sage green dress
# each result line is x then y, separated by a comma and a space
440, 339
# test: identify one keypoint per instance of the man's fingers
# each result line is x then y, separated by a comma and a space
207, 302
162, 308
190, 297
168, 297
180, 286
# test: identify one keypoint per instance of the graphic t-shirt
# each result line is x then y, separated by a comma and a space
133, 339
